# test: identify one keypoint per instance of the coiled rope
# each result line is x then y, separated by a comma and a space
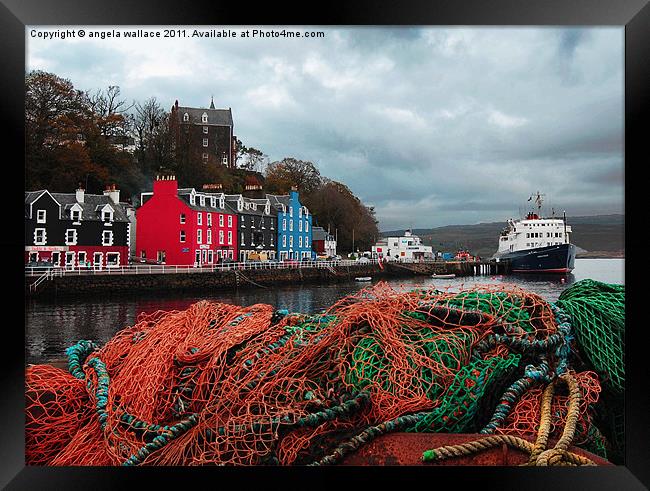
539, 454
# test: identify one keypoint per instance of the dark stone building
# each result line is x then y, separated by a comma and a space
206, 134
257, 224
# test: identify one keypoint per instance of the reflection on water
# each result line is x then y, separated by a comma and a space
52, 326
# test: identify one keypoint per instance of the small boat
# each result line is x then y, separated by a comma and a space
443, 276
363, 278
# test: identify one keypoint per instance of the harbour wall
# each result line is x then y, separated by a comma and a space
189, 281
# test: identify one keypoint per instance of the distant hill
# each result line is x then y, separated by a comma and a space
595, 236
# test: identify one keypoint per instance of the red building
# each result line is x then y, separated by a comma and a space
184, 227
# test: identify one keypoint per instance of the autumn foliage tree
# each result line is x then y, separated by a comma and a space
67, 140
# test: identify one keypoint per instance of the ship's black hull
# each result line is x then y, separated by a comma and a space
550, 259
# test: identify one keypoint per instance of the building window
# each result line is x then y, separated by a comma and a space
40, 216
213, 202
199, 218
199, 236
205, 142
112, 259
222, 202
300, 241
71, 237
98, 259
300, 225
182, 235
240, 205
300, 212
107, 238
81, 258
290, 225
202, 200
186, 117
182, 218
205, 130
229, 238
204, 118
221, 221
143, 254
242, 239
209, 237
209, 219
221, 236
107, 216
205, 157
291, 241
284, 224
75, 215
224, 160
39, 236
230, 220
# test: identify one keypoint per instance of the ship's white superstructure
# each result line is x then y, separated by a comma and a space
533, 232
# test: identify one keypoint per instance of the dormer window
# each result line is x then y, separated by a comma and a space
192, 200
202, 200
254, 206
204, 118
267, 209
107, 215
186, 117
240, 205
222, 202
205, 130
41, 216
213, 202
75, 215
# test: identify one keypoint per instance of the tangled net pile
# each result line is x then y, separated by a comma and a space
220, 384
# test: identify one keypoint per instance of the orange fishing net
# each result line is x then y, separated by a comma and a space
227, 385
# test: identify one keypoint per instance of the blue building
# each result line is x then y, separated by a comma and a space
294, 226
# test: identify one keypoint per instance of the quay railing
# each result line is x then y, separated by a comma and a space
204, 268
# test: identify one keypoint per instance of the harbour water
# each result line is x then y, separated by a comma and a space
52, 326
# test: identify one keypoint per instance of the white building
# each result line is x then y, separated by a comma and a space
408, 246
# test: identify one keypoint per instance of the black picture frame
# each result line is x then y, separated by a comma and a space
633, 15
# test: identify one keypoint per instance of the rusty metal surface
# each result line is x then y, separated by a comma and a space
407, 449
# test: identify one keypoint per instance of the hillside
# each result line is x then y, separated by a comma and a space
597, 236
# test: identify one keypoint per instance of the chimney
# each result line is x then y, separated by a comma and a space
112, 193
80, 194
165, 185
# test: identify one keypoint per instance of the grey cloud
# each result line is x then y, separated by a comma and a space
431, 126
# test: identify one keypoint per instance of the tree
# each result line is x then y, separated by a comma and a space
282, 175
336, 208
250, 158
150, 127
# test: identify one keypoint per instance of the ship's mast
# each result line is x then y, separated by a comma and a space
538, 202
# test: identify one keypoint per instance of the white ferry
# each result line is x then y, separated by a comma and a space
536, 244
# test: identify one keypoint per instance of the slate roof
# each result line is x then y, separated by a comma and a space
318, 233
261, 204
91, 207
278, 200
222, 117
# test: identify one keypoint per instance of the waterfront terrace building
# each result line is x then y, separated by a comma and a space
294, 226
184, 227
207, 134
257, 225
76, 229
323, 243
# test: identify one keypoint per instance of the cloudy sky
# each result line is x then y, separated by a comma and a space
432, 126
